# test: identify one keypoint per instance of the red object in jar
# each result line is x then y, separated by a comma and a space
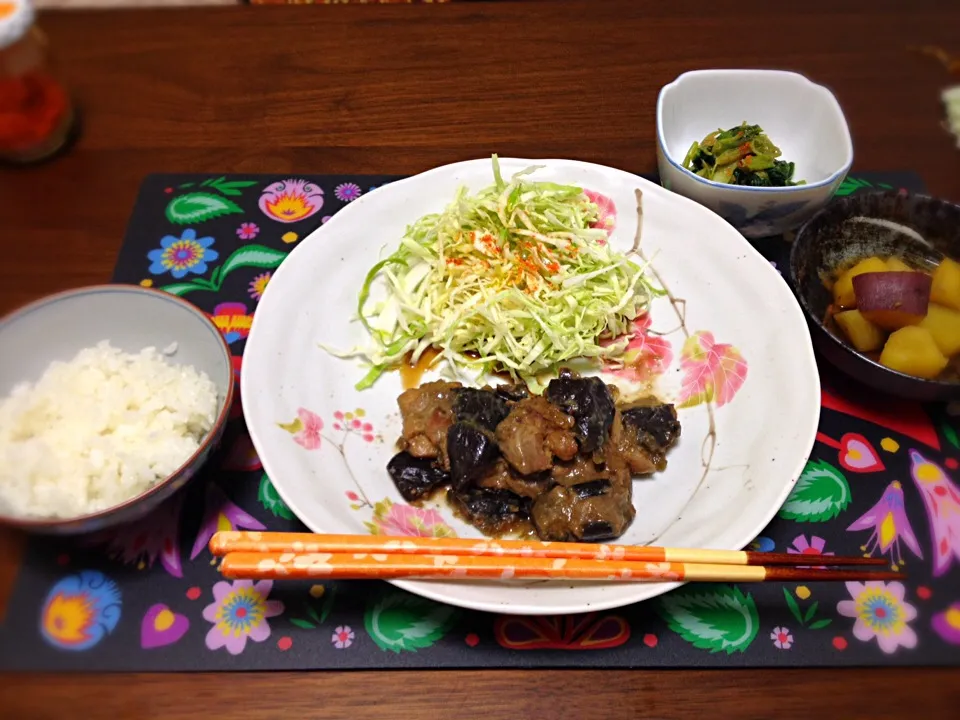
36, 114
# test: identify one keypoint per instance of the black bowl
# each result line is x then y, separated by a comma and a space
919, 229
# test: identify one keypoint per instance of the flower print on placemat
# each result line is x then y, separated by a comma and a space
233, 320
941, 498
782, 638
290, 201
343, 637
259, 285
161, 627
248, 231
712, 371
219, 513
889, 522
815, 546
313, 616
390, 518
805, 618
947, 624
179, 256
880, 612
80, 610
854, 452
586, 631
144, 541
239, 612
248, 256
347, 192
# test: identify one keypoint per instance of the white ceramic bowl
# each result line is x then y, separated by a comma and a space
130, 318
803, 119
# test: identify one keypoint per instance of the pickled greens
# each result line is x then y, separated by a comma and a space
742, 155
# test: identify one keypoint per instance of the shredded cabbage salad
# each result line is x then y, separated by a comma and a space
512, 279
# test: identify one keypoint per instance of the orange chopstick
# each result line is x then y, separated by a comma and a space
385, 566
276, 542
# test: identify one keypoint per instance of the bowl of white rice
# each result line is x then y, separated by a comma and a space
111, 398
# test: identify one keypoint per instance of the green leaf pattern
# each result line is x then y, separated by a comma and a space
197, 207
258, 256
400, 622
718, 618
271, 501
820, 494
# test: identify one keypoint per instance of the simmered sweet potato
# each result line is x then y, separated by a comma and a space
911, 350
944, 325
895, 264
862, 334
843, 295
946, 284
892, 300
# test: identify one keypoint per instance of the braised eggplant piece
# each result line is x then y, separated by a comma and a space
513, 393
415, 477
590, 403
658, 423
472, 451
493, 511
562, 463
593, 488
564, 514
480, 407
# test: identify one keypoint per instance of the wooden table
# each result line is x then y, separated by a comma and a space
398, 90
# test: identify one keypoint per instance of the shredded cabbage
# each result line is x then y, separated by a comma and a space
512, 279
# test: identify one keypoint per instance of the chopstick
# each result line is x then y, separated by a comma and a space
263, 555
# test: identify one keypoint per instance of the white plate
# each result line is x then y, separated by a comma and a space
713, 494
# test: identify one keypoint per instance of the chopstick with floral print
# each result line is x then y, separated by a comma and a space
256, 555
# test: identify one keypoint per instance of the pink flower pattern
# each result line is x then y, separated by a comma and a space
239, 611
881, 612
390, 518
646, 356
343, 637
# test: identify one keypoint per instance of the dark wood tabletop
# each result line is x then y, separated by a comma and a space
399, 89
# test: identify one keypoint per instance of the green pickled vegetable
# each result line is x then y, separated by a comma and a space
742, 155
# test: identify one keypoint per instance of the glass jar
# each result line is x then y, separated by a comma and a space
36, 113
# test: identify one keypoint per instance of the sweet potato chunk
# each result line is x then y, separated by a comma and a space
892, 300
946, 284
862, 334
944, 325
897, 265
843, 295
911, 350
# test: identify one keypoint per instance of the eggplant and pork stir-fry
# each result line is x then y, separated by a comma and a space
562, 462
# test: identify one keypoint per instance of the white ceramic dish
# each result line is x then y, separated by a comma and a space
802, 118
328, 460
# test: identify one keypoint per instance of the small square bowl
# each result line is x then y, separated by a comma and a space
802, 118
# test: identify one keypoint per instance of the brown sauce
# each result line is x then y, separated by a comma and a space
412, 373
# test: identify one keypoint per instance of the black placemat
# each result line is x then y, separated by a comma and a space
882, 479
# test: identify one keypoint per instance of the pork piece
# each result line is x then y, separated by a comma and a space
472, 450
590, 403
483, 408
579, 470
493, 512
427, 413
591, 511
503, 477
648, 430
533, 433
415, 477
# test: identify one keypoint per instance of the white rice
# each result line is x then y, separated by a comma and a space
99, 430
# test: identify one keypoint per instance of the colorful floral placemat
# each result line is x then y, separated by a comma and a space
882, 480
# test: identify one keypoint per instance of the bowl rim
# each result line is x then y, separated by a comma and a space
725, 187
40, 523
801, 298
